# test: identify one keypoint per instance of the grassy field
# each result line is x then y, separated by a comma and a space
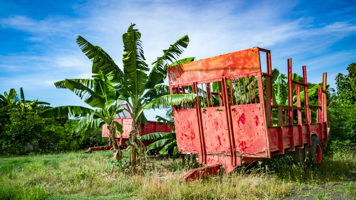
90, 176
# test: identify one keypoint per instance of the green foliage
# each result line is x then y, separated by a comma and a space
342, 109
165, 142
23, 130
280, 89
346, 86
137, 85
98, 93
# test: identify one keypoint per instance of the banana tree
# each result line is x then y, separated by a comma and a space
8, 98
11, 99
136, 83
99, 94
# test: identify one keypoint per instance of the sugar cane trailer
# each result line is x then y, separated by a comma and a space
232, 121
125, 119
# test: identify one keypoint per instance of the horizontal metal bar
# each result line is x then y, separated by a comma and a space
313, 106
264, 50
300, 83
287, 107
265, 74
283, 107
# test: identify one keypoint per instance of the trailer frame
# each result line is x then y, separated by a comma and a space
240, 128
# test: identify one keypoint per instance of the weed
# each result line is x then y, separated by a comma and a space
89, 176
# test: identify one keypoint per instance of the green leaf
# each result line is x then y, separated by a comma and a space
155, 136
167, 147
65, 111
156, 91
118, 127
170, 100
182, 61
83, 92
159, 70
101, 60
134, 61
90, 121
157, 144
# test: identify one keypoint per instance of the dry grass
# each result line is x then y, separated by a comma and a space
89, 176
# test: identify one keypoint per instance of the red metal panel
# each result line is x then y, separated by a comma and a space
160, 127
296, 135
126, 128
215, 130
250, 130
229, 122
202, 154
315, 128
286, 136
201, 172
105, 131
224, 160
150, 127
236, 63
273, 134
187, 131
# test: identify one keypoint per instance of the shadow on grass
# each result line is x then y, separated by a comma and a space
333, 169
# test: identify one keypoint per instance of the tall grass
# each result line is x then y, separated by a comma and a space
90, 176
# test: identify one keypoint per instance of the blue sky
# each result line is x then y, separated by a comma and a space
38, 37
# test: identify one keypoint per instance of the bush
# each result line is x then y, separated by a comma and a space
25, 132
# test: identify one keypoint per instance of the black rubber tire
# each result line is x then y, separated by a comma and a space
315, 151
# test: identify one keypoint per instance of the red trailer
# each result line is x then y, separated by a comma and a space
234, 121
125, 119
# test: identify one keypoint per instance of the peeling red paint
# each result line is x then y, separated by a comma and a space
242, 146
256, 117
242, 119
219, 140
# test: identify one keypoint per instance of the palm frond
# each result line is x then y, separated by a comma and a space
164, 120
182, 61
90, 121
154, 136
134, 61
157, 144
89, 83
156, 91
90, 97
159, 70
22, 95
101, 60
166, 147
170, 100
65, 111
118, 128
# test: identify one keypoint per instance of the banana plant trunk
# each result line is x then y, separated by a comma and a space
117, 151
134, 143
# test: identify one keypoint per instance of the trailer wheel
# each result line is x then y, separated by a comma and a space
316, 152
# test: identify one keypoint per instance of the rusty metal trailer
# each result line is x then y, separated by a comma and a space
125, 119
233, 121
